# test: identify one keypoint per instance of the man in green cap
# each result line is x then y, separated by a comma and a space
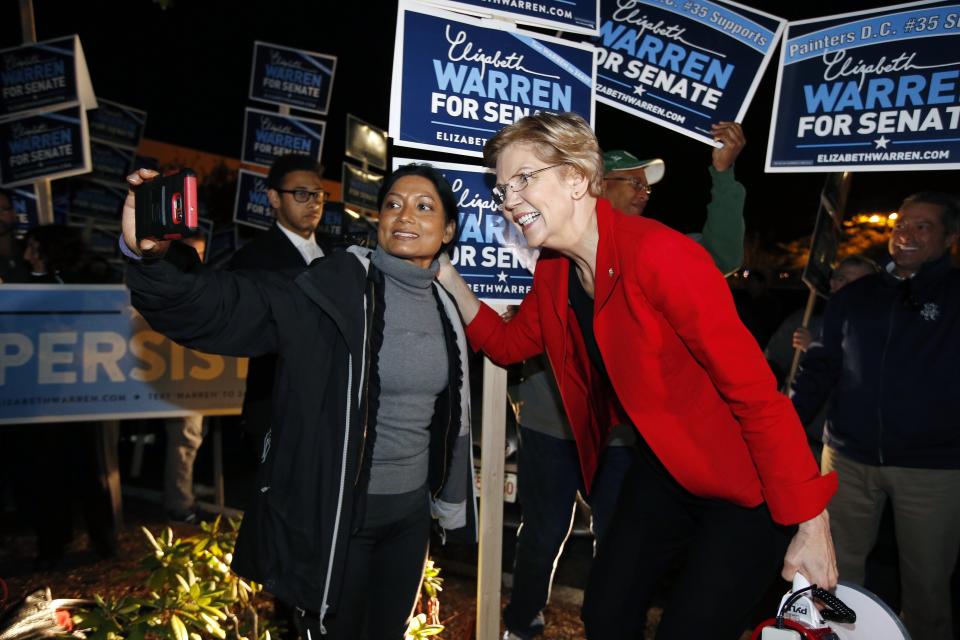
628, 181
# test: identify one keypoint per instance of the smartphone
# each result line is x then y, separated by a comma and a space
167, 206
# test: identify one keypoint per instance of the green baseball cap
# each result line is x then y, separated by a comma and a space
620, 160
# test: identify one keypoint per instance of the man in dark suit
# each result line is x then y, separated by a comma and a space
296, 196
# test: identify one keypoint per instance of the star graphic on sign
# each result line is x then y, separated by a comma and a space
639, 90
881, 142
501, 277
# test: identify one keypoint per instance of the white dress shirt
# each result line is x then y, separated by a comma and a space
307, 247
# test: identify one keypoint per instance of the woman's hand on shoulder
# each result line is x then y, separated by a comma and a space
447, 273
453, 282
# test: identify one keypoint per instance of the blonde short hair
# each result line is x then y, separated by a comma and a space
556, 138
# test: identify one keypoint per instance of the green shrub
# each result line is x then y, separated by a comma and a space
426, 622
191, 594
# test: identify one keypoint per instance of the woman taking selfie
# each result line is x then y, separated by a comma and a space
639, 326
370, 422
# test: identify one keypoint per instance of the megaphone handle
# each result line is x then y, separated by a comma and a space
799, 582
838, 611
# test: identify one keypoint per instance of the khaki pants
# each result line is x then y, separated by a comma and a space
184, 437
926, 510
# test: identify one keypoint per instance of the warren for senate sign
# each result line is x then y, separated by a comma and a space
490, 253
111, 163
117, 124
252, 206
292, 77
45, 92
97, 199
360, 187
869, 91
48, 144
457, 81
267, 136
683, 65
43, 76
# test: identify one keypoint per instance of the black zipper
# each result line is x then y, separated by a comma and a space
446, 440
883, 365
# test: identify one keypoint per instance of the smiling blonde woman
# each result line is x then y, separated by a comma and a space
640, 328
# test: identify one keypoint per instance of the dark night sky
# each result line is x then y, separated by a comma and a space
189, 67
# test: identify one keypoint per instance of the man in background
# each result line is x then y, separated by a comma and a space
296, 195
887, 361
184, 437
628, 183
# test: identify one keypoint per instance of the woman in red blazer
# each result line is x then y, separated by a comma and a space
639, 326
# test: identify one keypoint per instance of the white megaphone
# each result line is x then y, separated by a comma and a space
852, 613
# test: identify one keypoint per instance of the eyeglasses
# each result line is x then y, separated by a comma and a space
518, 183
637, 184
304, 196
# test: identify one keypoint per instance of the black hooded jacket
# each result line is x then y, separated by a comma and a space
325, 327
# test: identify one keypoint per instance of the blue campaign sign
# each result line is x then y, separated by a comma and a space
39, 76
331, 224
574, 16
96, 199
61, 200
24, 203
268, 135
53, 144
117, 124
360, 187
491, 254
111, 163
869, 91
292, 77
75, 352
252, 205
683, 65
457, 81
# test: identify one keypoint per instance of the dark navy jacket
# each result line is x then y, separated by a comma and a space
891, 356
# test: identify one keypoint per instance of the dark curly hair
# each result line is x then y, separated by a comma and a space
448, 200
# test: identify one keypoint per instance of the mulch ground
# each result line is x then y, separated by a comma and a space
82, 574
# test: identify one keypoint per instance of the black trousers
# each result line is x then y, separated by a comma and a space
728, 557
384, 568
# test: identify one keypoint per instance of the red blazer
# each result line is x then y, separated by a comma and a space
684, 369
